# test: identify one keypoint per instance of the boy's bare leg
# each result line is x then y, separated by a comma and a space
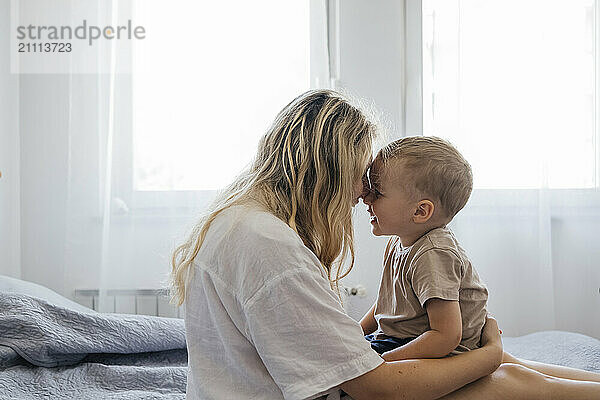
553, 370
515, 382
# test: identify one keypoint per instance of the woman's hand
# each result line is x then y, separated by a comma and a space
491, 341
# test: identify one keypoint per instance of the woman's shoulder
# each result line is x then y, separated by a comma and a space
247, 234
249, 224
246, 247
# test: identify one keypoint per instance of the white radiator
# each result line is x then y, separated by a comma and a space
156, 301
131, 301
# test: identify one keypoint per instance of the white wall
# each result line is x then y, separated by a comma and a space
45, 122
371, 50
44, 131
9, 155
577, 272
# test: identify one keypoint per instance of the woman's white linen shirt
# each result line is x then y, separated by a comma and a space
261, 319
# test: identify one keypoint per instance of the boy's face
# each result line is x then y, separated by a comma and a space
391, 208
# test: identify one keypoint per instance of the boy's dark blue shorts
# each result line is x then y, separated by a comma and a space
386, 344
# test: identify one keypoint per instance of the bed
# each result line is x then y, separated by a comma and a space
51, 347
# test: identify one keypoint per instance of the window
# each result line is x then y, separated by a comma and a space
512, 84
208, 80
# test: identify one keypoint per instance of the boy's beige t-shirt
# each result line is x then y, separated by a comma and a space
435, 266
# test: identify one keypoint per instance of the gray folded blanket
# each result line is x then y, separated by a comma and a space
92, 355
48, 336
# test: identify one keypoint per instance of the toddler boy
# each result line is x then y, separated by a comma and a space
431, 301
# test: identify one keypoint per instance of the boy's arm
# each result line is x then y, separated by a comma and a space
368, 322
445, 334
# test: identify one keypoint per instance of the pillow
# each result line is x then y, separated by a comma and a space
12, 285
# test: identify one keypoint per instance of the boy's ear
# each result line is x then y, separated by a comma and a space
423, 212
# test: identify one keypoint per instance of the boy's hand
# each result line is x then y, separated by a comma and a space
368, 322
490, 335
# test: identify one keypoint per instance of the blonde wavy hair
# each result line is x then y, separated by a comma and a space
304, 173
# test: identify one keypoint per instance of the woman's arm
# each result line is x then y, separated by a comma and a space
429, 378
368, 322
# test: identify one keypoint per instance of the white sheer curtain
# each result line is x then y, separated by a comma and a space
204, 86
117, 166
514, 85
108, 245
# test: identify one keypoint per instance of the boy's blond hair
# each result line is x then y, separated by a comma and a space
436, 168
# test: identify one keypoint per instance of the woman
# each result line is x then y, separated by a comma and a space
259, 275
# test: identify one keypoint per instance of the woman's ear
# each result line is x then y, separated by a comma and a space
423, 212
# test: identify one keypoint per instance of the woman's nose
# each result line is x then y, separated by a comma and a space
367, 196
